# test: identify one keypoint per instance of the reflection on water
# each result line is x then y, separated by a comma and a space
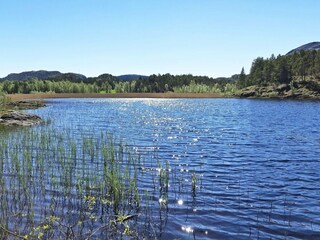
256, 161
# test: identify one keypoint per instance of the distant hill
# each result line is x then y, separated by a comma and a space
131, 77
32, 74
233, 78
56, 75
73, 77
306, 47
42, 75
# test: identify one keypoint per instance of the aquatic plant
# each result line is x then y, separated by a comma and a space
194, 180
35, 166
53, 186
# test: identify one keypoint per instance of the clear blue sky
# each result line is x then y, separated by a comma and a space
201, 37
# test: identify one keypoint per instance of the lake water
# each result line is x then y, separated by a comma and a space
257, 161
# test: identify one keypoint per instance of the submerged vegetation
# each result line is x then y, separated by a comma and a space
55, 186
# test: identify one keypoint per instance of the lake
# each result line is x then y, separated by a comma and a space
237, 168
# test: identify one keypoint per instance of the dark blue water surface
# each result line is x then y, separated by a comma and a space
257, 161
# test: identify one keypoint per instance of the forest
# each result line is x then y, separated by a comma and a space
273, 71
300, 66
106, 83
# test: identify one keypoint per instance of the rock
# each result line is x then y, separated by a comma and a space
292, 95
283, 87
246, 94
16, 118
268, 94
298, 89
251, 91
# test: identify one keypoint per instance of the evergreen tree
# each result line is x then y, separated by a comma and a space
242, 79
317, 65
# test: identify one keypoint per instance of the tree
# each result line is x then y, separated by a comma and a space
317, 65
283, 73
256, 72
242, 79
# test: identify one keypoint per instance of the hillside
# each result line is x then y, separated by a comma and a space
131, 77
42, 75
32, 74
294, 75
56, 75
306, 47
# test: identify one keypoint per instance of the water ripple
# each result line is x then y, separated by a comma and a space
257, 162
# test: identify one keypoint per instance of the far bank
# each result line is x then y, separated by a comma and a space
17, 97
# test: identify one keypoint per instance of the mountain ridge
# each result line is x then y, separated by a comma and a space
46, 75
42, 75
306, 47
131, 77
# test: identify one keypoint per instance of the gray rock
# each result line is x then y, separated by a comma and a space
16, 118
246, 94
283, 87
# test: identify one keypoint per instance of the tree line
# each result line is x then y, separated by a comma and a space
264, 71
282, 69
107, 83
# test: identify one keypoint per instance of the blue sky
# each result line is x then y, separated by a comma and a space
201, 37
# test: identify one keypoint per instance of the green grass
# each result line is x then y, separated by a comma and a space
3, 100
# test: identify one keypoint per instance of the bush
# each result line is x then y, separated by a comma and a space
3, 99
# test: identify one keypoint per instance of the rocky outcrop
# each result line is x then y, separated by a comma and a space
302, 89
283, 88
17, 118
22, 105
248, 93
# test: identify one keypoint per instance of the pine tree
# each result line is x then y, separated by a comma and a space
317, 65
242, 79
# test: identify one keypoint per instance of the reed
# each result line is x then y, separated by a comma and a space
194, 180
57, 186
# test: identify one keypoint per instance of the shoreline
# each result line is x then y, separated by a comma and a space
18, 97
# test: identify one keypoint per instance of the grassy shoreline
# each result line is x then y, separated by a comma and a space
17, 97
